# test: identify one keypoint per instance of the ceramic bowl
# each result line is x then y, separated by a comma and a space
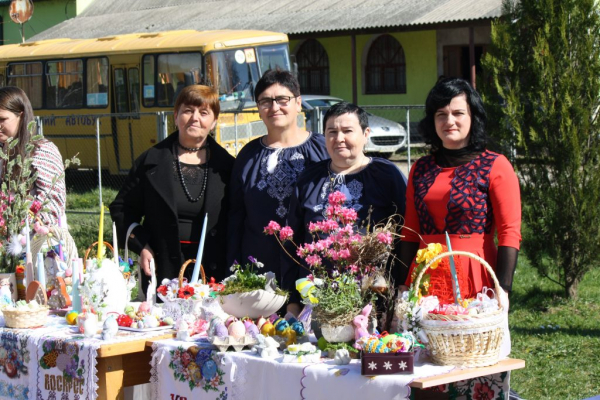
254, 304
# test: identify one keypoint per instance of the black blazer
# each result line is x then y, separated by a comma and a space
148, 194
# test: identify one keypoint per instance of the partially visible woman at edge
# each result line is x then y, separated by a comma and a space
266, 170
172, 186
374, 187
15, 114
463, 189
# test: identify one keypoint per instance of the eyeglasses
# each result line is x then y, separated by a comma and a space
267, 102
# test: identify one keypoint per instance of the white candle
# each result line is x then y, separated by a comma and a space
41, 271
27, 242
115, 242
200, 252
75, 298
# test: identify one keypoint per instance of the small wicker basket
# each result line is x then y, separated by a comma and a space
25, 319
58, 234
178, 307
464, 340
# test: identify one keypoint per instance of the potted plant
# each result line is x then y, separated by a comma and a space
247, 293
344, 261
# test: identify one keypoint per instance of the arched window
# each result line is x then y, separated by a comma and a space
313, 68
386, 67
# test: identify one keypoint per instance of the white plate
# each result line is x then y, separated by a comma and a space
158, 328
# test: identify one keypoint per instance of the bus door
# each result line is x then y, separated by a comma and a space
128, 137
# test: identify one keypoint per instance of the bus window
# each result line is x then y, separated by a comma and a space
134, 89
175, 71
64, 88
234, 73
270, 57
148, 71
97, 82
122, 102
27, 76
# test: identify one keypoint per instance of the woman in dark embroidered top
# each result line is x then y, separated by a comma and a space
463, 189
172, 186
266, 170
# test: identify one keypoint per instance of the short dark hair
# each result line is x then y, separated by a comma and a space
277, 76
347, 108
199, 96
440, 96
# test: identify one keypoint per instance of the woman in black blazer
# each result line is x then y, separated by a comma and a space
172, 186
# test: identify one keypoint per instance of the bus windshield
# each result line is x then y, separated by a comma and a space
235, 72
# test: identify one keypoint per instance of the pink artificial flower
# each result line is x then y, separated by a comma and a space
348, 215
36, 206
314, 227
353, 268
313, 260
336, 198
272, 228
384, 237
40, 228
330, 226
344, 254
286, 233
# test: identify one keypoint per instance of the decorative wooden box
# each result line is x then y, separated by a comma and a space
386, 363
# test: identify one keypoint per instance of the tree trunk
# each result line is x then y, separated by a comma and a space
571, 288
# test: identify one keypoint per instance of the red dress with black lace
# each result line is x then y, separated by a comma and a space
472, 202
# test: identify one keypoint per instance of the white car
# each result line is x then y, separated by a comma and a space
386, 137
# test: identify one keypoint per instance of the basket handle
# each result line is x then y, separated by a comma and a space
182, 270
475, 257
87, 252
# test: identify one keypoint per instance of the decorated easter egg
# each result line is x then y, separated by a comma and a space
144, 307
209, 370
71, 317
252, 330
194, 372
291, 320
268, 329
290, 336
68, 271
203, 356
281, 325
231, 319
298, 328
237, 329
150, 321
221, 331
261, 321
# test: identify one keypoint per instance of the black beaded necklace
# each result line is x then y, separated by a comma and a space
192, 149
182, 180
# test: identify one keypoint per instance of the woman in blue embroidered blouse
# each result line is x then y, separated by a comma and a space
367, 183
266, 170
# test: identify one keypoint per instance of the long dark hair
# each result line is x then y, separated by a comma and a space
16, 101
440, 96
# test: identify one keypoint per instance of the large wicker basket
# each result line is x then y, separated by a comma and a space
25, 319
56, 234
464, 340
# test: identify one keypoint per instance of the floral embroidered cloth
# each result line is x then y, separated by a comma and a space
193, 370
54, 362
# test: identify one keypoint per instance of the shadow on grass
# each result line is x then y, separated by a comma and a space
535, 299
559, 331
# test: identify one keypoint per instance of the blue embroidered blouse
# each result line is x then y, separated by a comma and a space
262, 183
380, 185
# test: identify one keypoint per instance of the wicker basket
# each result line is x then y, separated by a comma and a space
176, 308
92, 246
464, 340
25, 319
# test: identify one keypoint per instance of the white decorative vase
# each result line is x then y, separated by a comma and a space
337, 334
254, 304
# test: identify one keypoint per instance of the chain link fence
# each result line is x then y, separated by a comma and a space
108, 144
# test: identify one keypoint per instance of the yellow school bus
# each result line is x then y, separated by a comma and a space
74, 83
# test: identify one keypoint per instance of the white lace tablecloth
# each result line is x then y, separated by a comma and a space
54, 362
245, 375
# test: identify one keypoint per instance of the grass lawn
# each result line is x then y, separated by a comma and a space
559, 339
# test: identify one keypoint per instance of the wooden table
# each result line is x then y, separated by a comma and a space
124, 364
456, 375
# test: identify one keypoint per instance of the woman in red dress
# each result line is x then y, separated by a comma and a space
463, 189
